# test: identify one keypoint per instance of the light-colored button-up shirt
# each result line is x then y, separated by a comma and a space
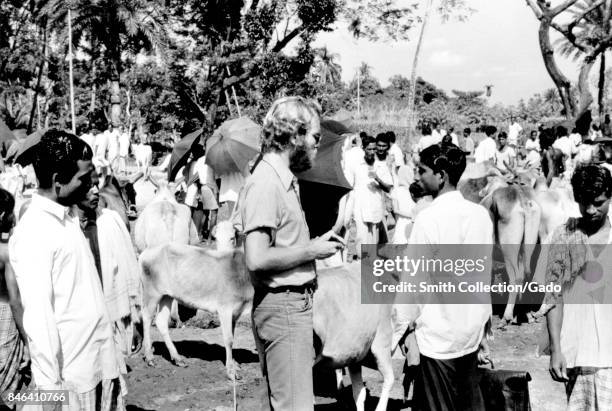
446, 331
485, 150
270, 200
369, 204
65, 317
425, 142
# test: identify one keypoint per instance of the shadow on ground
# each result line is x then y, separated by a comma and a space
205, 351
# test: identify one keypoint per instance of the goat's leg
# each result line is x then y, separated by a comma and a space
359, 390
227, 319
151, 298
510, 238
161, 321
382, 353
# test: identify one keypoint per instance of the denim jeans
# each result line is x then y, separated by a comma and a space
283, 331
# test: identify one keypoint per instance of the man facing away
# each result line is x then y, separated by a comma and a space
486, 149
448, 335
65, 318
280, 254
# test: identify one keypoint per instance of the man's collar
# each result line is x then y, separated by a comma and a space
453, 196
280, 168
50, 206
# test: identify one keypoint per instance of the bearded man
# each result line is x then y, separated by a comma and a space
280, 255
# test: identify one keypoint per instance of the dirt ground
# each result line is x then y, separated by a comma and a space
202, 385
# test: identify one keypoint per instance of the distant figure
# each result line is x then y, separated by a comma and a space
514, 131
113, 144
505, 155
436, 132
426, 140
532, 142
124, 150
486, 149
455, 139
397, 157
468, 141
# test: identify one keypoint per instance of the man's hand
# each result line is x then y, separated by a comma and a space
558, 367
484, 354
332, 236
325, 246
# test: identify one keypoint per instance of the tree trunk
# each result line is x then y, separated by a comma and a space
561, 82
602, 85
115, 86
72, 114
586, 98
41, 70
413, 75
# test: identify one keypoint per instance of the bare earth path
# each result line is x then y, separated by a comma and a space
203, 385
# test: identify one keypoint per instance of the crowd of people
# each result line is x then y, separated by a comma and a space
71, 293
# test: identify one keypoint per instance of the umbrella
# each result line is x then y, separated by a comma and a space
25, 154
233, 145
5, 133
322, 187
180, 153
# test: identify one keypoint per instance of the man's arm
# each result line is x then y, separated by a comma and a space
262, 256
558, 365
14, 299
32, 260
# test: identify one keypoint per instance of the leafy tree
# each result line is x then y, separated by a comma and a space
326, 66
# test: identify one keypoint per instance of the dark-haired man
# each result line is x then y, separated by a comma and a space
448, 336
468, 141
580, 320
486, 149
65, 317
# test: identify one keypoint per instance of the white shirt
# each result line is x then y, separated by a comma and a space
369, 197
65, 317
398, 156
446, 331
533, 159
352, 158
437, 135
455, 139
113, 144
425, 142
205, 173
513, 133
485, 151
90, 139
532, 144
565, 145
101, 144
230, 187
469, 145
576, 139
124, 144
504, 156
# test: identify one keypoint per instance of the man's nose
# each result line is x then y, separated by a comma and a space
591, 210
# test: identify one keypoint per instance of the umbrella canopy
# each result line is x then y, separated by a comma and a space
25, 154
180, 153
5, 133
322, 187
233, 145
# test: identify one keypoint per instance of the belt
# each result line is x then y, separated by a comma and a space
300, 289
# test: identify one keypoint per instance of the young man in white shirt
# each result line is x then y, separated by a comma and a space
449, 336
514, 131
505, 156
395, 152
468, 141
426, 140
65, 318
437, 133
486, 149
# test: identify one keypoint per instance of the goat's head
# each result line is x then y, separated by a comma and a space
224, 235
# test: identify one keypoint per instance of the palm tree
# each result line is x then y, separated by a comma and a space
326, 66
595, 22
117, 26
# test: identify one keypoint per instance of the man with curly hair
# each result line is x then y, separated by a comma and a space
280, 254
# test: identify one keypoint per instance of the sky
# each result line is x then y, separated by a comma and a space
497, 45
